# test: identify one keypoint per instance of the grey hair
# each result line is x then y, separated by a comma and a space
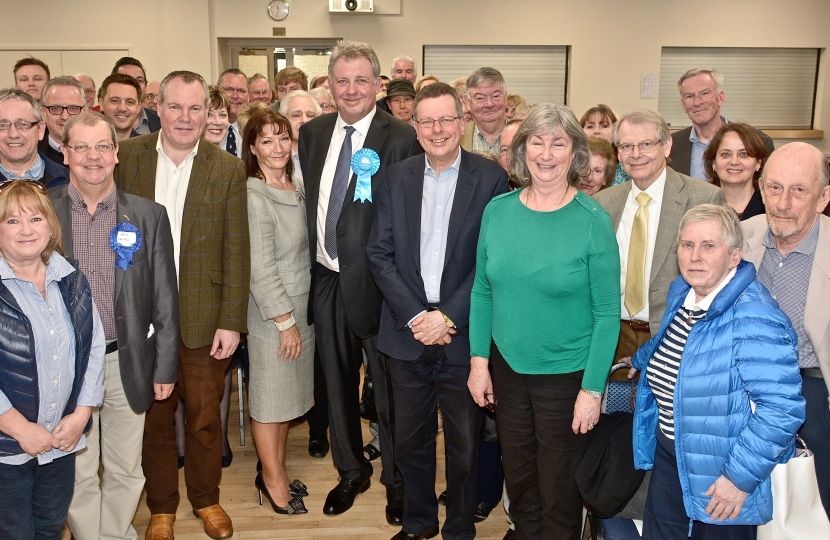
730, 226
643, 116
187, 77
321, 91
823, 169
351, 50
408, 59
256, 77
91, 119
715, 75
484, 76
65, 80
297, 94
543, 119
20, 95
441, 89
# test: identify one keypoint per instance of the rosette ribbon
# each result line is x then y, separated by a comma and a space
365, 163
124, 241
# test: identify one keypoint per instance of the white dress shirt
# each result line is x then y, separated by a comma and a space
171, 191
361, 128
655, 191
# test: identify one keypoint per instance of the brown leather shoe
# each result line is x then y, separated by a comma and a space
160, 527
217, 523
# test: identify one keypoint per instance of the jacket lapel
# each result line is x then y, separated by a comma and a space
122, 215
196, 188
816, 314
464, 192
671, 212
63, 208
413, 186
148, 158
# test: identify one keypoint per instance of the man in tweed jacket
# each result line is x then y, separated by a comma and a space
644, 142
203, 190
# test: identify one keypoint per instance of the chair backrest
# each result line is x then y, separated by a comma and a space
619, 395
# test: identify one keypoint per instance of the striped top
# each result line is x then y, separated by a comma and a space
665, 363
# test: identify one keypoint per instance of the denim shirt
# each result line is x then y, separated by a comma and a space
54, 352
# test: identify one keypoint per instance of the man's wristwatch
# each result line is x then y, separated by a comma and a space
593, 394
448, 321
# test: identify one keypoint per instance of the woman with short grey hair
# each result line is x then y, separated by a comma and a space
545, 309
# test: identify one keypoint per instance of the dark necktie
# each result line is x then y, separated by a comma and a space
338, 193
231, 146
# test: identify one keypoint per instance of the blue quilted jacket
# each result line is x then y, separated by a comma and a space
744, 350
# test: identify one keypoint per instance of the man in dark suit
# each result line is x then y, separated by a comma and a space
62, 98
426, 279
139, 308
701, 96
19, 155
344, 301
646, 213
203, 190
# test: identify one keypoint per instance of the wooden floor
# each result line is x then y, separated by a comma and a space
364, 521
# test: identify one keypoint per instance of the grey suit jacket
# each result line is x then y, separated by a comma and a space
681, 194
681, 149
816, 313
145, 294
394, 251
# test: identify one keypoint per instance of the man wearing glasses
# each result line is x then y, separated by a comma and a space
20, 130
62, 98
138, 303
422, 254
646, 213
235, 85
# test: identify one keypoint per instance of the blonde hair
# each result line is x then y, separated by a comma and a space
29, 194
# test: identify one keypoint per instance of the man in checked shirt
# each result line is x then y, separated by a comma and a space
138, 302
790, 247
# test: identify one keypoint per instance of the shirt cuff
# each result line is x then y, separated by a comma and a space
409, 324
5, 404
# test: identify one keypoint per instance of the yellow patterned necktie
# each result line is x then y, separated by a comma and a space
635, 277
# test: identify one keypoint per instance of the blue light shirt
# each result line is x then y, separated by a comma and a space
35, 173
436, 206
696, 168
55, 352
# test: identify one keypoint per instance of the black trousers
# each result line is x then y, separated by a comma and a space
816, 433
341, 355
665, 515
540, 451
419, 385
318, 415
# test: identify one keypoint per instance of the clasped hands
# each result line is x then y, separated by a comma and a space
38, 440
430, 329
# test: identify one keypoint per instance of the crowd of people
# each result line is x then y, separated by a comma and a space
473, 253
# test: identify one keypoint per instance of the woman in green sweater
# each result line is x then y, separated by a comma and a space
545, 312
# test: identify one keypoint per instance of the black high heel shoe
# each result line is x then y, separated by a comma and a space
294, 506
295, 488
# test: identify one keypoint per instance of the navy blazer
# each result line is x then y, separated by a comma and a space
393, 140
395, 254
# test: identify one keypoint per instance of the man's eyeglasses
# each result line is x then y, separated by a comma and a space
645, 147
429, 122
151, 97
327, 106
20, 126
232, 90
261, 93
84, 148
57, 110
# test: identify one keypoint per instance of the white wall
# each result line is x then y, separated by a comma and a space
613, 41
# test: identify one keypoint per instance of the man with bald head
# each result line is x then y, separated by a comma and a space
790, 247
89, 89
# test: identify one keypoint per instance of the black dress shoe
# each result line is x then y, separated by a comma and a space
394, 506
342, 497
442, 498
403, 535
483, 510
510, 535
318, 446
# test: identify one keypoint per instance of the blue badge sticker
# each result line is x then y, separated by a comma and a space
124, 241
365, 163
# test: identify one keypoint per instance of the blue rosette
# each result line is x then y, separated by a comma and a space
365, 163
124, 241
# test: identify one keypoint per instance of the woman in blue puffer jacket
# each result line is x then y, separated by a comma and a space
719, 400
